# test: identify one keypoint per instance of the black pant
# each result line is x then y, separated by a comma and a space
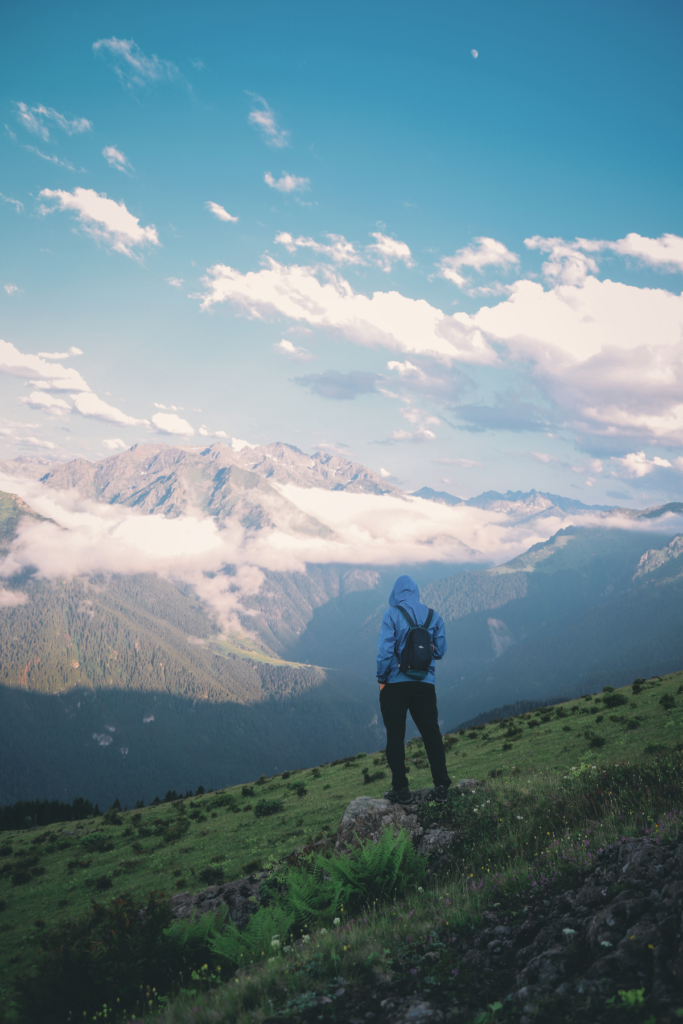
395, 700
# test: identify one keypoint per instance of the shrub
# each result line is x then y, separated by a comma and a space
252, 866
247, 790
299, 789
615, 699
110, 951
667, 701
212, 874
633, 724
265, 807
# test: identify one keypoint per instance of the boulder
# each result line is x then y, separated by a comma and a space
366, 818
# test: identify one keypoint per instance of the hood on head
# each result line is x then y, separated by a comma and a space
405, 590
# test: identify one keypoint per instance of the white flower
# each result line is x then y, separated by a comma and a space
306, 938
336, 922
420, 889
323, 931
569, 931
606, 944
520, 818
275, 943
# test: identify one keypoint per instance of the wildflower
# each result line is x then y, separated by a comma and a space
306, 938
336, 922
520, 818
323, 931
569, 931
275, 943
413, 971
420, 889
606, 944
454, 972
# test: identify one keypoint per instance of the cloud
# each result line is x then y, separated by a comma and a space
87, 537
45, 375
339, 250
131, 65
487, 253
220, 212
665, 253
51, 159
11, 289
422, 421
263, 118
16, 203
384, 472
115, 158
103, 219
339, 386
608, 355
47, 403
169, 408
287, 182
292, 352
509, 412
388, 318
441, 386
73, 351
169, 423
461, 463
113, 443
34, 118
175, 282
11, 598
388, 251
637, 464
90, 405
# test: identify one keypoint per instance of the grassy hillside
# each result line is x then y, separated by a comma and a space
47, 873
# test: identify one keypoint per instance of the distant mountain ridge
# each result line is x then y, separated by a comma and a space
518, 504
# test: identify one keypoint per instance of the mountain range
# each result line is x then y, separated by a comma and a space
113, 682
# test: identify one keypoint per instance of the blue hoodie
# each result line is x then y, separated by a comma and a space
392, 635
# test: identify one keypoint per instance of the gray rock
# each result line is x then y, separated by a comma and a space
366, 818
241, 898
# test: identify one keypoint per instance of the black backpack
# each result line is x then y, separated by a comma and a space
417, 655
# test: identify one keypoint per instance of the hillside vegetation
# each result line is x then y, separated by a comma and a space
51, 873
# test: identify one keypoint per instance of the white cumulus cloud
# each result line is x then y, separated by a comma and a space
388, 251
487, 252
34, 120
90, 405
388, 318
220, 212
42, 374
131, 65
287, 182
292, 352
637, 464
113, 443
170, 423
11, 289
263, 118
338, 250
115, 158
73, 351
48, 403
103, 219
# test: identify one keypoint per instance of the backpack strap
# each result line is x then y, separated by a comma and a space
429, 618
405, 615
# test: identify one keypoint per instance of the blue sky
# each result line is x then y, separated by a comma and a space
500, 303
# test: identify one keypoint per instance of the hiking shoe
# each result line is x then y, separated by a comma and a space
440, 794
401, 796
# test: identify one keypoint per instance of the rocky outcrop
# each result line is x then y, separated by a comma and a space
241, 898
366, 817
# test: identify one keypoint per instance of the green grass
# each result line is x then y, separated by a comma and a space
246, 647
166, 848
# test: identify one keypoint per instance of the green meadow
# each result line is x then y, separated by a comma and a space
53, 874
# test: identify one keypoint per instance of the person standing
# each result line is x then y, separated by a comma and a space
412, 637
